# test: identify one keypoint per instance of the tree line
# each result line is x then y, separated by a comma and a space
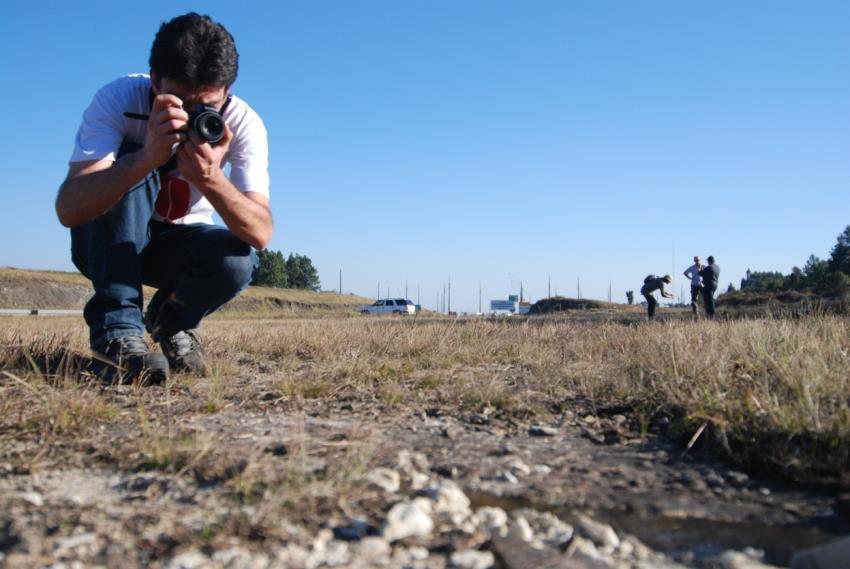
821, 276
296, 271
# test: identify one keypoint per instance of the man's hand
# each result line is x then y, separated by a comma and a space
199, 162
166, 127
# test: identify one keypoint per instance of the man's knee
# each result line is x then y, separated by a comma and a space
236, 270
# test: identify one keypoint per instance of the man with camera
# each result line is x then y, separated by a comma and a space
145, 176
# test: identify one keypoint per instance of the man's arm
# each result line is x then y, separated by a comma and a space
246, 215
93, 187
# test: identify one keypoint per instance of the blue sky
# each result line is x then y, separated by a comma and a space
486, 141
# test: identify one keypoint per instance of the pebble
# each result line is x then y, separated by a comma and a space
493, 520
448, 498
385, 479
472, 559
191, 559
539, 431
408, 519
738, 560
601, 534
372, 549
520, 529
33, 498
518, 467
547, 527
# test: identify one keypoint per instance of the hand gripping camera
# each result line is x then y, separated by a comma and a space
204, 120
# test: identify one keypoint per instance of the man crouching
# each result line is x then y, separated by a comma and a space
145, 176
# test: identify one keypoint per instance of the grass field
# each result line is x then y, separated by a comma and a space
763, 393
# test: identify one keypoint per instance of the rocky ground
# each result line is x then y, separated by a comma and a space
260, 484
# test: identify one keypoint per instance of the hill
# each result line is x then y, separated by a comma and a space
23, 288
563, 304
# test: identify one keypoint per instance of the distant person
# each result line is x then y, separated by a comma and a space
154, 157
710, 276
650, 285
692, 273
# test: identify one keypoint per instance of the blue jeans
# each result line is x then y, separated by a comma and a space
196, 268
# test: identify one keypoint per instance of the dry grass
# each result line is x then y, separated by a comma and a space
774, 392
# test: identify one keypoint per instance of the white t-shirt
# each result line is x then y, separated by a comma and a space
105, 127
693, 271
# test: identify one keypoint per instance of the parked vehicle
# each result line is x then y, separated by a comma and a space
389, 306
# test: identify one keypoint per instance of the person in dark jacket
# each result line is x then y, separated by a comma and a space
710, 276
650, 285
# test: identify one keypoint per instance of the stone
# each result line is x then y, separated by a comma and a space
547, 527
833, 554
518, 467
354, 531
739, 560
418, 480
737, 478
190, 559
408, 519
372, 550
68, 544
542, 431
449, 499
33, 498
238, 558
472, 559
492, 520
521, 530
385, 479
601, 534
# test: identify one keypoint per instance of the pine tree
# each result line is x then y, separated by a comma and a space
302, 273
271, 270
839, 258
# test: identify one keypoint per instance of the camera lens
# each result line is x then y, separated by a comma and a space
209, 125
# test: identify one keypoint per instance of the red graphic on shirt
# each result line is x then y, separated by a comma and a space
173, 199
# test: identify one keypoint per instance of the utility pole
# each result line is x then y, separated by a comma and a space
578, 288
520, 291
479, 298
450, 296
673, 265
379, 290
609, 290
340, 281
405, 290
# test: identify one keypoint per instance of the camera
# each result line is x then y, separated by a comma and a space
207, 122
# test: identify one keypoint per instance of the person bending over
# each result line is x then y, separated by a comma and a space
650, 285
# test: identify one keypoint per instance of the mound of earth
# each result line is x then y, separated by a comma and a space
21, 288
562, 304
28, 289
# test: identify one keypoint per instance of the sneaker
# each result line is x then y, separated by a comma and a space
126, 359
184, 352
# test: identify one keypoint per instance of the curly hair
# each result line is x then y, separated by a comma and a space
195, 51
